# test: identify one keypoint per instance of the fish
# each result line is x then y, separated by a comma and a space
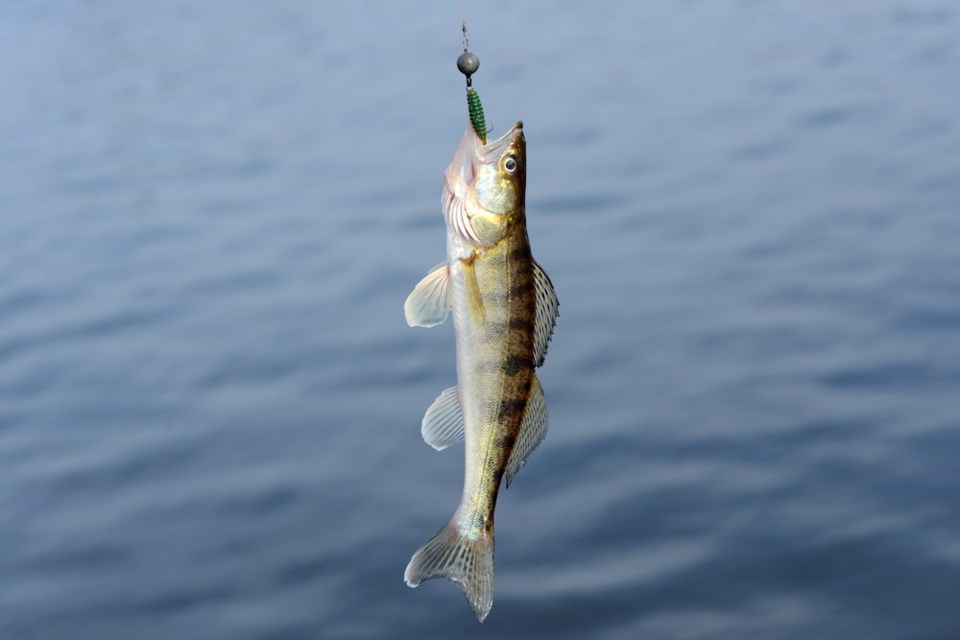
504, 311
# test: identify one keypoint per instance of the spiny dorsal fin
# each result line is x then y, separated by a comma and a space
548, 307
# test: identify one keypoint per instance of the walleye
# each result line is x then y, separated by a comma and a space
504, 310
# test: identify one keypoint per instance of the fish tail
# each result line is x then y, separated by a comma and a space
465, 559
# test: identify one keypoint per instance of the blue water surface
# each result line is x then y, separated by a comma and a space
211, 213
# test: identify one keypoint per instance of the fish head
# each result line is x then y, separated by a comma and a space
485, 186
500, 179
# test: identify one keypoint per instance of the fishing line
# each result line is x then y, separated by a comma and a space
468, 63
463, 25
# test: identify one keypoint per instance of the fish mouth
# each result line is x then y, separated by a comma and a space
471, 153
459, 173
495, 146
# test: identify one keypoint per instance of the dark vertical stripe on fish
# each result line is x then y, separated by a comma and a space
514, 364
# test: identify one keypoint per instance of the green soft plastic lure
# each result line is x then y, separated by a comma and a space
476, 114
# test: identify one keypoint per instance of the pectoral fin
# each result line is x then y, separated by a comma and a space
442, 425
533, 429
548, 307
429, 302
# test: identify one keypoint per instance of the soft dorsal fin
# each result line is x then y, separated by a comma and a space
442, 424
429, 302
548, 307
533, 429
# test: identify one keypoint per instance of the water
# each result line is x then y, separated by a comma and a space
210, 402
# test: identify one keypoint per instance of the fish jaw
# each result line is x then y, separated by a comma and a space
471, 153
459, 173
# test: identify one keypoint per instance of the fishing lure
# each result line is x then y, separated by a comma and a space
468, 63
476, 114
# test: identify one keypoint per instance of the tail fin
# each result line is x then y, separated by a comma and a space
466, 560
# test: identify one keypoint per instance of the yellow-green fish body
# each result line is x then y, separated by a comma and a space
504, 309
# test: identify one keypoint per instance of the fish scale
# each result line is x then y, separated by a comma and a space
486, 366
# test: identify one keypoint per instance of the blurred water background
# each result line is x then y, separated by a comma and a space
211, 213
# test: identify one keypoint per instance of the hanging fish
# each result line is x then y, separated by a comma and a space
504, 310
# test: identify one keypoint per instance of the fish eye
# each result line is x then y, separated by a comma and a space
510, 164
